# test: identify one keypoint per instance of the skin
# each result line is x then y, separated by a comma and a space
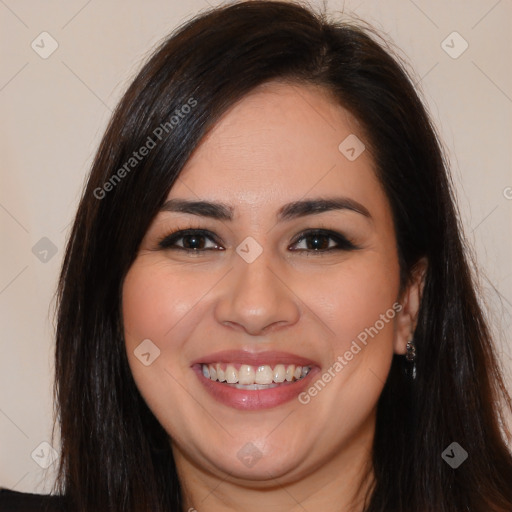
277, 145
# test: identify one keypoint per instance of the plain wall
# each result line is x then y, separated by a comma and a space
54, 111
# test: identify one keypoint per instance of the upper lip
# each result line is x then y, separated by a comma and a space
255, 358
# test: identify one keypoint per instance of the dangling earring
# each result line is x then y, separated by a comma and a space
410, 356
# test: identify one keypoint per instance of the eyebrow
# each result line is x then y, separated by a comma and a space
293, 210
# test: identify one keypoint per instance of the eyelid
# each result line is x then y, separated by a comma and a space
179, 233
343, 243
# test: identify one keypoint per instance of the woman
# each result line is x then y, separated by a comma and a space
265, 302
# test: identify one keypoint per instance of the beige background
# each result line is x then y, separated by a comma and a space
54, 110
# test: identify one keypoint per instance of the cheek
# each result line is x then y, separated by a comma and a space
157, 306
161, 306
352, 301
155, 303
358, 307
357, 304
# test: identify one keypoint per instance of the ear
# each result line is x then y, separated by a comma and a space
410, 300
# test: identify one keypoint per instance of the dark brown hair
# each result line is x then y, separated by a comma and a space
115, 454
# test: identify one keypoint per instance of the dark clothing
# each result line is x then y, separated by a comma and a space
12, 501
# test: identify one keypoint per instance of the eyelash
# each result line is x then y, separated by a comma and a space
168, 242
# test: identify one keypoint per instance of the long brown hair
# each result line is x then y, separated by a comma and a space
115, 454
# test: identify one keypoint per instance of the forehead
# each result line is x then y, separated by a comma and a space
282, 139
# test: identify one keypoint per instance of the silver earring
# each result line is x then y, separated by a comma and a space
410, 356
411, 350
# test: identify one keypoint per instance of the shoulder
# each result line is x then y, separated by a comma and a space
13, 501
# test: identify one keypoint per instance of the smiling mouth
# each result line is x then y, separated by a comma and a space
249, 381
250, 377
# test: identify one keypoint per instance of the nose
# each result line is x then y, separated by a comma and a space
256, 299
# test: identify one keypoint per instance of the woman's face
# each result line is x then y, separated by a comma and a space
275, 286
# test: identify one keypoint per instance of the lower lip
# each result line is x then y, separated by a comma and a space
257, 398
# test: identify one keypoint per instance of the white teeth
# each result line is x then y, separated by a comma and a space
279, 373
231, 375
220, 374
254, 387
252, 377
246, 374
263, 375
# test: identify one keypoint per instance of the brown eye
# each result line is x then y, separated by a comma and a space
323, 241
192, 240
